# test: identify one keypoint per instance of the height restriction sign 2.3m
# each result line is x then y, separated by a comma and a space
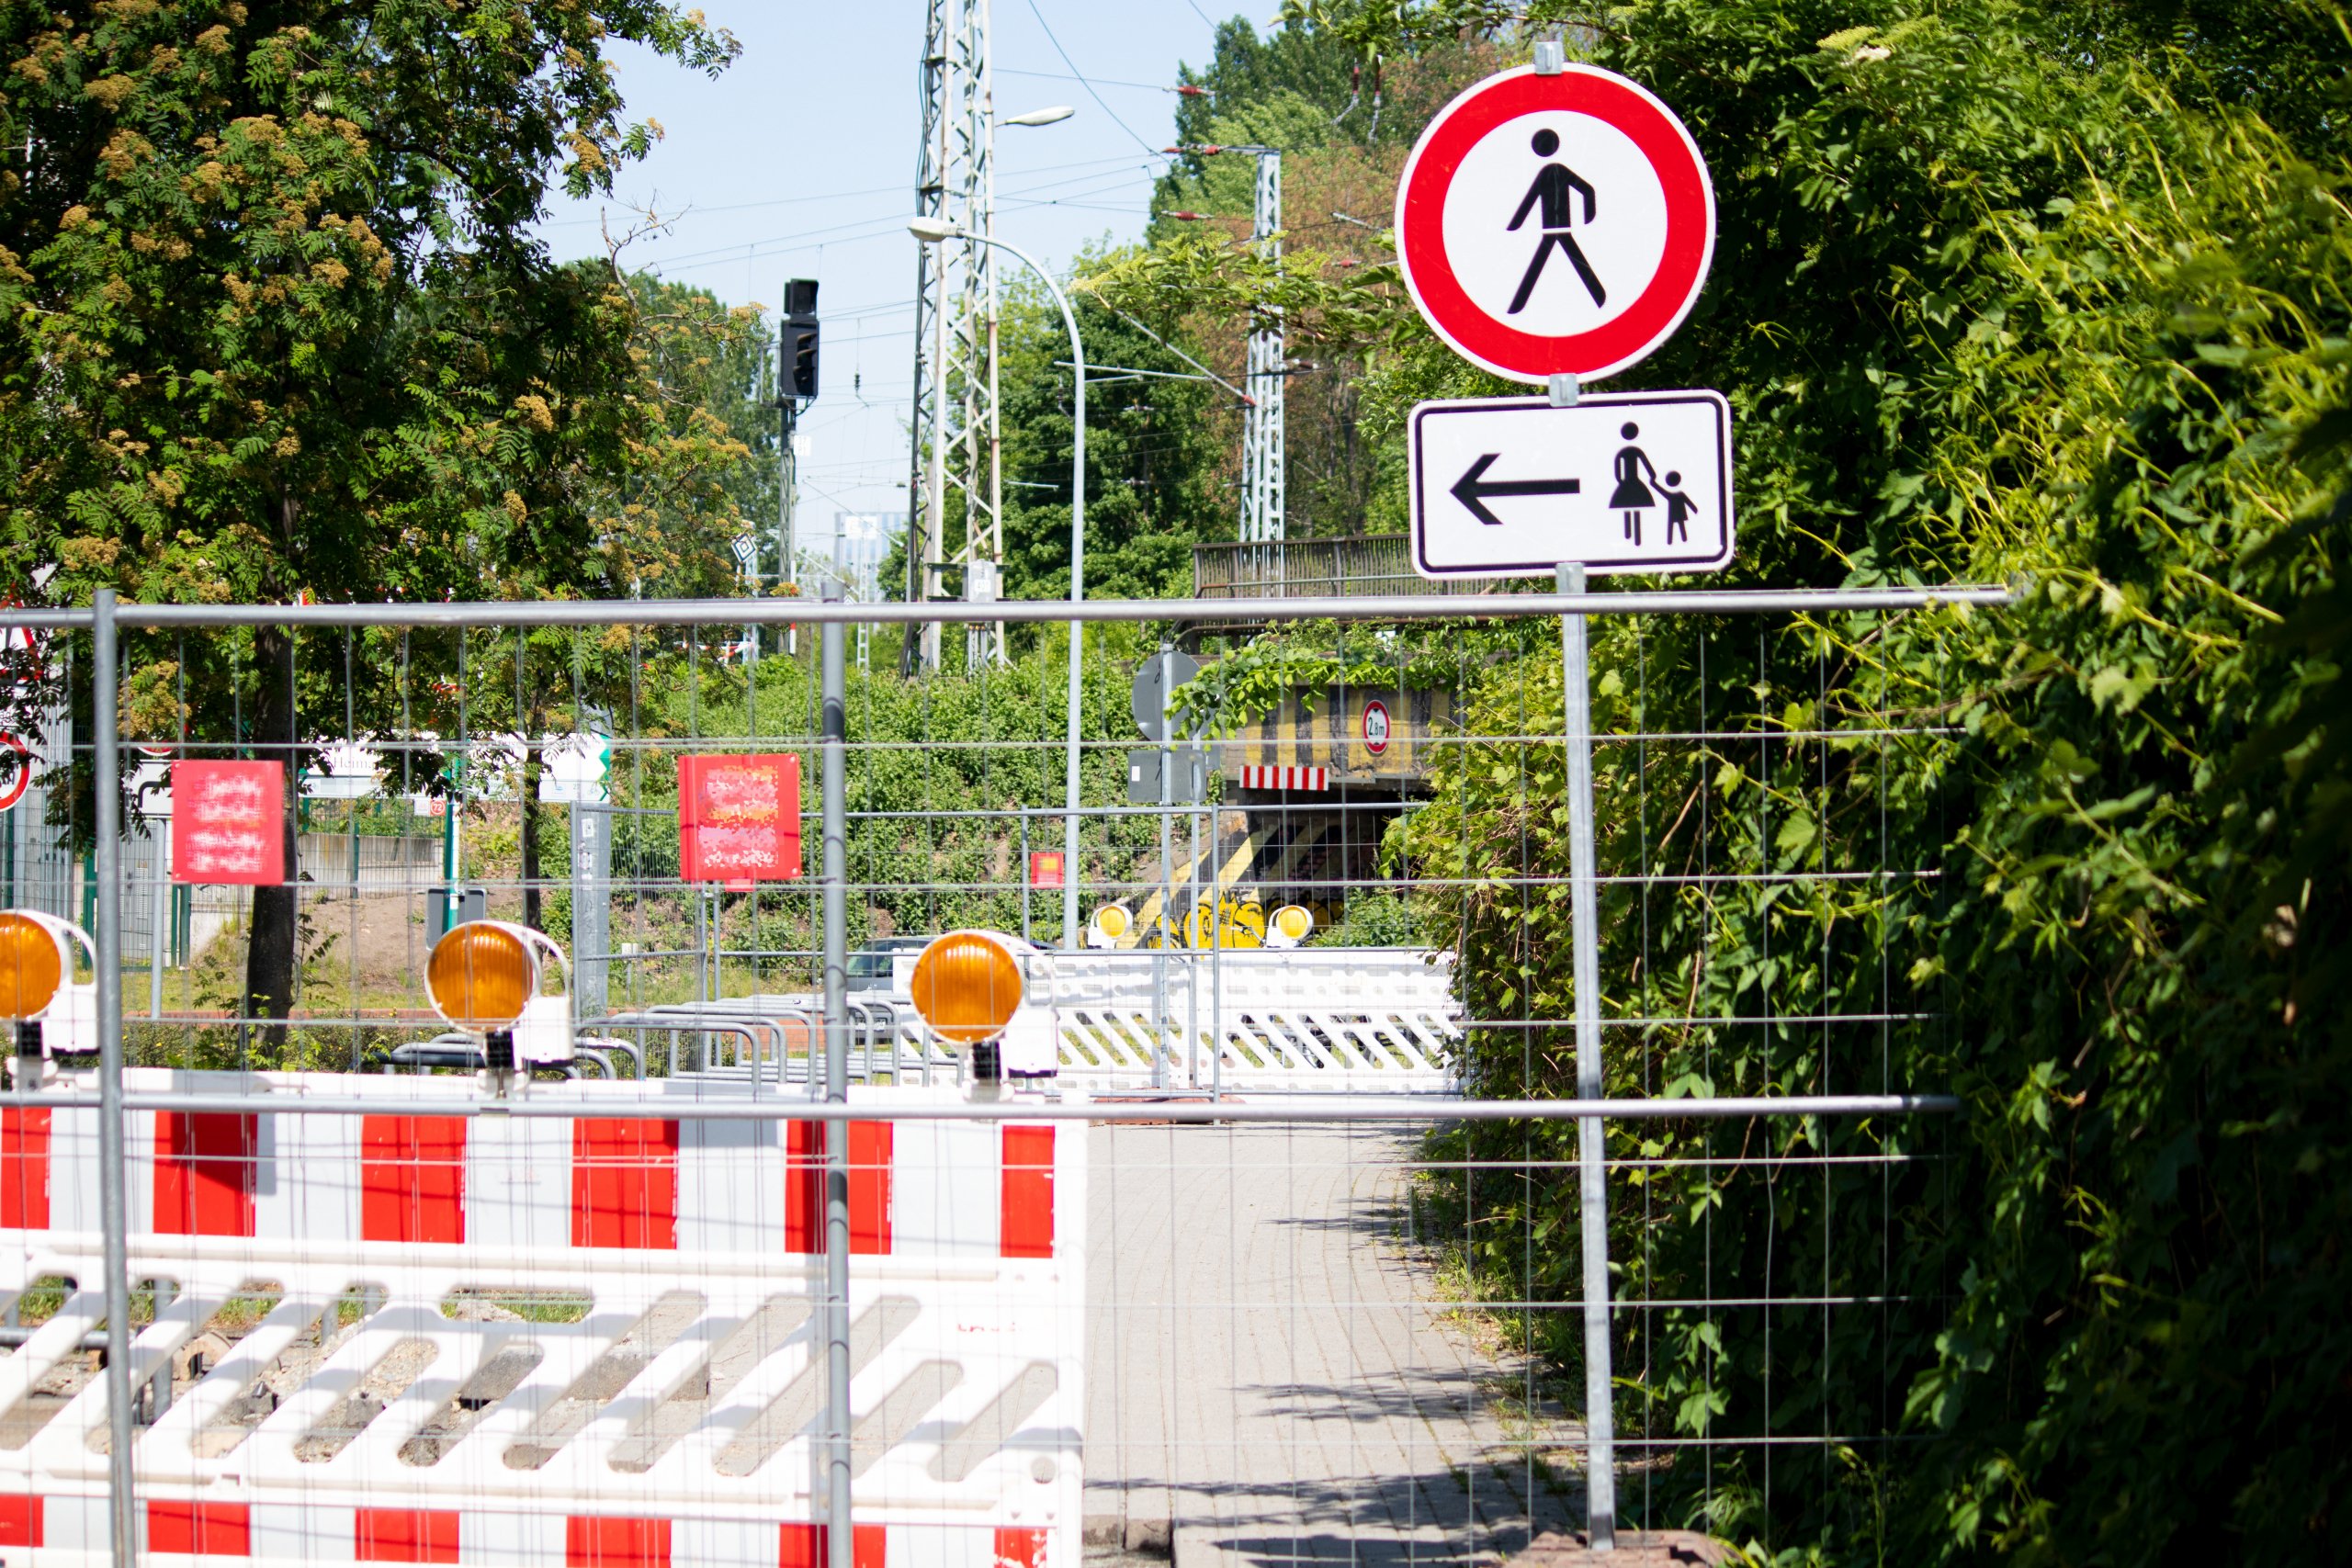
1555, 223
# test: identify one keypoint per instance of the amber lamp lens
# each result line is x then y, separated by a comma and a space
1111, 920
966, 987
30, 970
1294, 922
479, 976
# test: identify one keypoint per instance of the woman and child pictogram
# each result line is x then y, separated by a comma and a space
1636, 476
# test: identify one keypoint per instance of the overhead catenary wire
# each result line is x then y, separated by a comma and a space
891, 225
831, 195
1082, 80
1184, 89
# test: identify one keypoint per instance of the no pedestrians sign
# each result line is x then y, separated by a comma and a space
1555, 223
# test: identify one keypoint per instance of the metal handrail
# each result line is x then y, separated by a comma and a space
805, 612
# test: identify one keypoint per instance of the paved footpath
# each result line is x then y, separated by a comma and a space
1266, 1369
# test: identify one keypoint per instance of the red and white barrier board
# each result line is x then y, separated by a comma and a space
39, 1531
1256, 776
513, 1339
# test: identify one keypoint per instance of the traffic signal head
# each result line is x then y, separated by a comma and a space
800, 338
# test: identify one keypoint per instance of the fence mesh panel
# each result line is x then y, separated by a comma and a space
1315, 1306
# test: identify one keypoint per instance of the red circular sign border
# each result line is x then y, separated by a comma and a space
1378, 748
11, 795
1617, 343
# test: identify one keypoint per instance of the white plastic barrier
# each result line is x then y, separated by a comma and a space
518, 1340
1353, 1019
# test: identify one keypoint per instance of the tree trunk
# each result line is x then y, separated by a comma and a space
269, 953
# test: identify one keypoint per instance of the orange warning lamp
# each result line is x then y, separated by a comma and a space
484, 977
968, 985
481, 976
32, 966
42, 1005
1289, 926
1110, 922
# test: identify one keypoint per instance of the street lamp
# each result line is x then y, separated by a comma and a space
939, 230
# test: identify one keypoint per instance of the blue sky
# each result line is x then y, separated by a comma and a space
799, 162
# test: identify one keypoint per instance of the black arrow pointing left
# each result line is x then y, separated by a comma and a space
1472, 488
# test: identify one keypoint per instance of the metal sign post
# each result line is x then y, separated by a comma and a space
833, 879
1166, 876
114, 1164
1592, 1188
1167, 774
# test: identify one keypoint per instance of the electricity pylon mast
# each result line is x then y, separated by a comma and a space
955, 480
1263, 376
1261, 427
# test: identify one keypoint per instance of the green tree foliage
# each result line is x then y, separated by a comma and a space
1343, 117
712, 370
1150, 467
989, 739
276, 324
1988, 301
1301, 89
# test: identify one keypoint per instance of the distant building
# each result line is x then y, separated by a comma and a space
861, 542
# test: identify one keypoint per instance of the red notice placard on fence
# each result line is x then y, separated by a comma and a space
739, 819
229, 822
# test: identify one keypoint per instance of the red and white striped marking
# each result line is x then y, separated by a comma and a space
1254, 776
635, 1182
65, 1529
966, 1301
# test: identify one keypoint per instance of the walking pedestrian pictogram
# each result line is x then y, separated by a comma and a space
1555, 190
1554, 223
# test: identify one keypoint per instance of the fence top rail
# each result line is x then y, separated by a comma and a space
771, 612
1298, 1108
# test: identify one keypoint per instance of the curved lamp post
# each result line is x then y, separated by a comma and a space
938, 230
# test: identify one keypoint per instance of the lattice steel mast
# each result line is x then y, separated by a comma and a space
956, 477
1262, 502
1261, 427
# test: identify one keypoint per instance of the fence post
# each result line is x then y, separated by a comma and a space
592, 891
1599, 1423
114, 1208
840, 1545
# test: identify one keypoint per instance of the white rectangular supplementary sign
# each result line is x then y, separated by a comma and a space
1623, 482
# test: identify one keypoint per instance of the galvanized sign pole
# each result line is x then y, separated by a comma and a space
838, 1538
1592, 1189
1159, 1052
114, 1206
